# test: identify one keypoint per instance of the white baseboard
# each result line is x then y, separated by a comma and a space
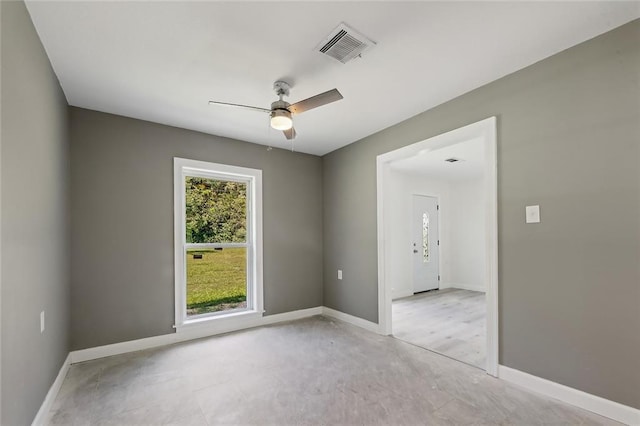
402, 293
190, 334
358, 322
89, 354
292, 316
444, 285
463, 286
42, 416
604, 407
212, 330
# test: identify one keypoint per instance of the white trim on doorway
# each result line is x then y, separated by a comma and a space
485, 129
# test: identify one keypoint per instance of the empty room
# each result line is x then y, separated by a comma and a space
319, 213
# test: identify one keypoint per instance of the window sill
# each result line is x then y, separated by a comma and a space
222, 323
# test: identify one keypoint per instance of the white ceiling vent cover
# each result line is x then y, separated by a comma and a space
344, 43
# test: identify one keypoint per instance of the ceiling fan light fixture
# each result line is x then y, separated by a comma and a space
281, 110
281, 119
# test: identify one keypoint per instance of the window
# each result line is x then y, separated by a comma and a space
218, 241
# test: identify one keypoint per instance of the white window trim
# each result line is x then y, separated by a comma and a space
255, 307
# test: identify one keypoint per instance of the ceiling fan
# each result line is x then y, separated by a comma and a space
281, 110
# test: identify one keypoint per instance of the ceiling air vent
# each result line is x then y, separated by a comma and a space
344, 44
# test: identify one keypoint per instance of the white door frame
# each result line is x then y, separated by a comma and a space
485, 129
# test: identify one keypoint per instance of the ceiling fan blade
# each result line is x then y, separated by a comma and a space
225, 104
316, 101
290, 134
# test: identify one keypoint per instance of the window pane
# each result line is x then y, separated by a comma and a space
425, 237
216, 280
216, 210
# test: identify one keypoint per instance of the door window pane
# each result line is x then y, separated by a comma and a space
425, 237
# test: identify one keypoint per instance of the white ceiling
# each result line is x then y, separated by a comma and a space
163, 61
432, 164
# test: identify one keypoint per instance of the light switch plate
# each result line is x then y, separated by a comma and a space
339, 274
533, 214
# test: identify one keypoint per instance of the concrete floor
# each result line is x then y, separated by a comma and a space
315, 371
451, 321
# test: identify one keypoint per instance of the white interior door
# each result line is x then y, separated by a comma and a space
426, 253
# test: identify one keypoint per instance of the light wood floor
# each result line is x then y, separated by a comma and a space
449, 321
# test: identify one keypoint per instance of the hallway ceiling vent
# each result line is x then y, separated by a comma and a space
344, 44
452, 160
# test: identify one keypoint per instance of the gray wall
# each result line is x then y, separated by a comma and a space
122, 224
569, 140
34, 176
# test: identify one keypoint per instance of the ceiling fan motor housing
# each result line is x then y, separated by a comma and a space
280, 105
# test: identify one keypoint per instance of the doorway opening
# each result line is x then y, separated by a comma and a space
437, 244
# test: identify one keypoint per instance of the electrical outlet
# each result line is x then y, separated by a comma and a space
339, 274
42, 322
